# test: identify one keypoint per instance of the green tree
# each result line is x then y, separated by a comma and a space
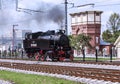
113, 31
84, 41
72, 40
106, 36
80, 41
114, 23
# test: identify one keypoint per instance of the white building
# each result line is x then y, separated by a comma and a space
117, 46
4, 47
6, 43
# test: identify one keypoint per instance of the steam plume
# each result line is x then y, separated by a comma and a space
52, 13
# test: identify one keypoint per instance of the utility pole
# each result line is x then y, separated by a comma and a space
66, 30
0, 4
16, 5
13, 41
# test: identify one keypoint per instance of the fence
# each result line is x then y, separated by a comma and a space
97, 56
13, 54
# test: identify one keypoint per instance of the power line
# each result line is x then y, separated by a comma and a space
116, 4
92, 4
107, 5
25, 9
102, 1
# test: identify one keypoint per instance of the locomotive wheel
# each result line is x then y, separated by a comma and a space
48, 57
37, 57
42, 58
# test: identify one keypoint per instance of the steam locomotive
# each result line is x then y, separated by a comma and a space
48, 45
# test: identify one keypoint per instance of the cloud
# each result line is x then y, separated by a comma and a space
54, 1
34, 20
105, 17
106, 14
52, 14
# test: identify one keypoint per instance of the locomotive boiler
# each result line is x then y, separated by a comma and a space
48, 45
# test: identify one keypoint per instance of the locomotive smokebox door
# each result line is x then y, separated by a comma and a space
33, 44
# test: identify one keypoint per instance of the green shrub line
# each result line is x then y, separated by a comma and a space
20, 78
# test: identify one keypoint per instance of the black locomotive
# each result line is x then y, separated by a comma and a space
48, 45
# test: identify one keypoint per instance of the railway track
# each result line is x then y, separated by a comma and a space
77, 61
94, 73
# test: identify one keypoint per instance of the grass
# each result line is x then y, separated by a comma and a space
94, 59
20, 78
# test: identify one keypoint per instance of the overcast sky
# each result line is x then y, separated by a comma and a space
52, 15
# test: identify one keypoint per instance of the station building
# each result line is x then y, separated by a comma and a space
117, 46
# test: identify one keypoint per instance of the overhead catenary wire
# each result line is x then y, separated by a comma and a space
103, 1
107, 5
19, 9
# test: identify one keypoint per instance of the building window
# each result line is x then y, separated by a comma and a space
73, 19
91, 17
97, 38
73, 28
84, 19
84, 27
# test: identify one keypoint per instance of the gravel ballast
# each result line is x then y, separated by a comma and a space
114, 67
77, 79
5, 82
